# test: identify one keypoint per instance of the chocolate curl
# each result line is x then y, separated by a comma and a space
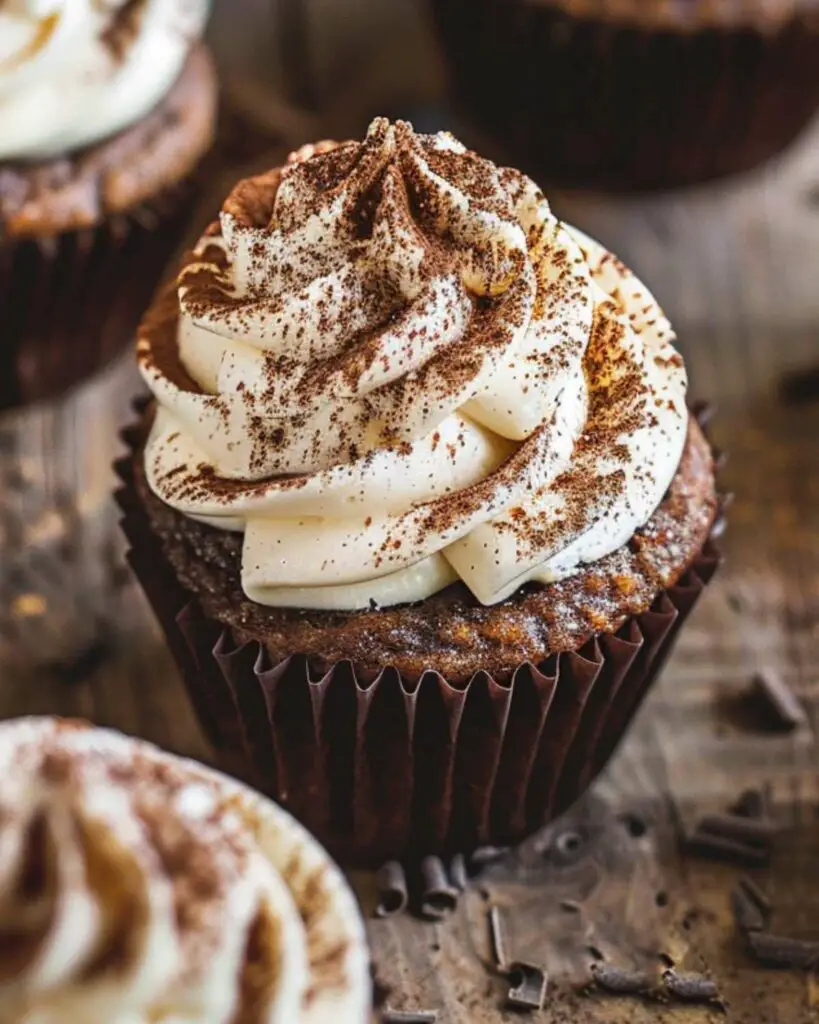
785, 710
620, 981
439, 897
753, 831
497, 938
392, 889
800, 387
756, 894
747, 915
779, 951
457, 872
703, 412
749, 804
484, 856
691, 988
527, 986
713, 847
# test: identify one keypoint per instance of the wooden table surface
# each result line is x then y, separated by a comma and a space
736, 266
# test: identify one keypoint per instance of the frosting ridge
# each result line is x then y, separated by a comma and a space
391, 366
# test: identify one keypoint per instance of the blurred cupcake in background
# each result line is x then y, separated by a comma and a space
106, 109
136, 886
634, 94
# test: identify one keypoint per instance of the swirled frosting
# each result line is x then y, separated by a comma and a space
393, 367
136, 887
75, 71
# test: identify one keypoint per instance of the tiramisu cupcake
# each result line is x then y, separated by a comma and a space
418, 500
106, 109
631, 94
137, 887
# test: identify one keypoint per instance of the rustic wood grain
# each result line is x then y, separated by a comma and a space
735, 264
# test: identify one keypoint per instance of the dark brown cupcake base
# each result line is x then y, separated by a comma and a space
380, 765
596, 103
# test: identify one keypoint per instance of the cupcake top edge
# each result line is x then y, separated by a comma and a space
392, 367
137, 886
73, 73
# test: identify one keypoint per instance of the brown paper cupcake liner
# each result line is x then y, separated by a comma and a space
596, 103
70, 303
382, 765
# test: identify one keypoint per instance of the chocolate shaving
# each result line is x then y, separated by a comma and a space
392, 889
620, 980
756, 894
484, 856
779, 951
439, 897
409, 1016
800, 387
527, 989
749, 804
754, 831
747, 915
703, 412
704, 844
457, 872
786, 713
497, 939
694, 988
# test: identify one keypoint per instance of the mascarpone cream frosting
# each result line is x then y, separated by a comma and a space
75, 71
393, 367
136, 887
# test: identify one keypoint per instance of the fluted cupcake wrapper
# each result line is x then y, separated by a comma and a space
70, 302
381, 765
600, 103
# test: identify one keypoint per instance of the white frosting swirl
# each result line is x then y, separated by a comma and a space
138, 888
394, 367
69, 77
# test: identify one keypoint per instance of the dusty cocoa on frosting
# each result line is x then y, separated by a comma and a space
140, 162
392, 366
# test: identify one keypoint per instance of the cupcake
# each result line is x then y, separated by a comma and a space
634, 94
417, 498
106, 110
136, 886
